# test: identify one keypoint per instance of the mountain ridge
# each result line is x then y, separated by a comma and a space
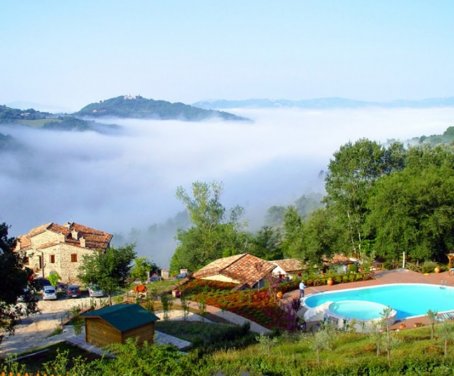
324, 103
139, 107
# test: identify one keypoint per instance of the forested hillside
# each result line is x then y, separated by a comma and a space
142, 108
380, 201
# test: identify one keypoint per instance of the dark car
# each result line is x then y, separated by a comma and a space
73, 291
40, 282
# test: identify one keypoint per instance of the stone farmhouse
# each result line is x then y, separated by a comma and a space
60, 248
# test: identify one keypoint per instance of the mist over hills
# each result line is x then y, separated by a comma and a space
124, 181
90, 117
324, 103
137, 107
46, 120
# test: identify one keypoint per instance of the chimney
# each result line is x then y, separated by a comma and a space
74, 234
82, 242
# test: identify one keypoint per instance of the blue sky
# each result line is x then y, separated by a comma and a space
70, 53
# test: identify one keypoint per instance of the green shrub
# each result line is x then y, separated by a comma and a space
428, 266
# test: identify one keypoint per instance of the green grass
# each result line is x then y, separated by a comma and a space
33, 363
160, 287
295, 355
207, 335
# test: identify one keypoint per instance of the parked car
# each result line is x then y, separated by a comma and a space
73, 291
155, 278
181, 275
95, 292
40, 283
61, 287
49, 293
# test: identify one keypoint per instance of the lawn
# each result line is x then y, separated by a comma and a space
208, 335
412, 352
35, 360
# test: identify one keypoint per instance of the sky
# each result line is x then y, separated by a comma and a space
65, 54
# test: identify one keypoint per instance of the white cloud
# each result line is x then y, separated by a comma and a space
115, 182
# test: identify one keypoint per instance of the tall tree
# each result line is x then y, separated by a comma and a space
141, 269
213, 233
109, 270
322, 235
267, 244
413, 211
352, 174
292, 243
14, 281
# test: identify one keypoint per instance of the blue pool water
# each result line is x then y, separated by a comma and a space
357, 310
407, 299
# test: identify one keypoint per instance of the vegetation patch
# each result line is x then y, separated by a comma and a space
208, 336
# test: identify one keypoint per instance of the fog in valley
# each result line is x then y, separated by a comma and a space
126, 179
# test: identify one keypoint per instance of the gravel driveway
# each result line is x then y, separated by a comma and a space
34, 330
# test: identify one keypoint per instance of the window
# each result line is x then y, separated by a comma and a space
26, 260
73, 257
52, 259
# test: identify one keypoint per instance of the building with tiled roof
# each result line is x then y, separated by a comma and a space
245, 270
60, 248
287, 267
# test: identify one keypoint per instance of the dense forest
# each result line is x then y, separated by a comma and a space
380, 201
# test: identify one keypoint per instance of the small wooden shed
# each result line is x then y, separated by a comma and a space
117, 323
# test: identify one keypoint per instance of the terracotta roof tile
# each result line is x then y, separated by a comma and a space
94, 239
289, 265
245, 268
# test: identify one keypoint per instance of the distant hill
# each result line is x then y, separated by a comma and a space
446, 138
6, 142
46, 120
324, 103
141, 108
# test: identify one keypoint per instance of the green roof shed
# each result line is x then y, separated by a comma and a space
117, 323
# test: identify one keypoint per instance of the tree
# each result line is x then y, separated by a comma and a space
13, 283
109, 270
213, 234
446, 335
292, 244
432, 316
53, 278
413, 210
266, 244
141, 269
352, 174
275, 216
322, 235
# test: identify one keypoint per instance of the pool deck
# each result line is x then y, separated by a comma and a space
385, 277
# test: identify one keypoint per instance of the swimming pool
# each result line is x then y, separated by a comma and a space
407, 299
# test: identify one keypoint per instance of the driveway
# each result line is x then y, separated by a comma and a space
36, 330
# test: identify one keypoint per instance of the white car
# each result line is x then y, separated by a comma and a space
49, 293
95, 292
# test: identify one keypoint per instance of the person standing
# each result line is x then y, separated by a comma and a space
302, 287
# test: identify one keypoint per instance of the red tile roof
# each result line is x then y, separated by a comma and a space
245, 268
289, 265
74, 234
